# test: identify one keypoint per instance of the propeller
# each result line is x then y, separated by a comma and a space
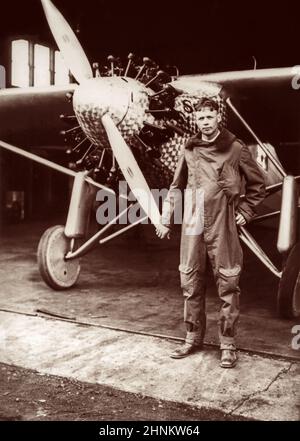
131, 171
76, 60
67, 42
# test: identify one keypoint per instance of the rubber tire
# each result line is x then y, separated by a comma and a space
288, 298
57, 278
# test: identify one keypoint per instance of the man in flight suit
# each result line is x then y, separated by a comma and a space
213, 163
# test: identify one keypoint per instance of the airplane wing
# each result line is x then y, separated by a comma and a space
242, 80
31, 116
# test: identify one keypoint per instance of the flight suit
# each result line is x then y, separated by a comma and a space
215, 171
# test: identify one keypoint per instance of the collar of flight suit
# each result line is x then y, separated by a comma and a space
222, 142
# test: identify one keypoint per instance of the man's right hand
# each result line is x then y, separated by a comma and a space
162, 231
240, 220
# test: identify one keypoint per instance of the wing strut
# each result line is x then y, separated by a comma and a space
52, 165
269, 154
87, 246
251, 243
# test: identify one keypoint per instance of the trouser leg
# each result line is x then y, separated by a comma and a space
226, 257
193, 284
229, 292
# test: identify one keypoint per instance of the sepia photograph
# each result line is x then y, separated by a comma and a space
149, 214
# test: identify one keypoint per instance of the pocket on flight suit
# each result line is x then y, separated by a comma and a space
229, 278
230, 182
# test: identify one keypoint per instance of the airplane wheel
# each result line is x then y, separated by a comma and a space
288, 300
56, 272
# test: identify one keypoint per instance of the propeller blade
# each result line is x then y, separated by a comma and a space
131, 171
67, 42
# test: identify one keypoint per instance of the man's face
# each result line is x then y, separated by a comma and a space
207, 120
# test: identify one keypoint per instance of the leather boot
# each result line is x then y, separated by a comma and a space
185, 350
228, 358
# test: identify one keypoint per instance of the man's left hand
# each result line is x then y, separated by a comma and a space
240, 220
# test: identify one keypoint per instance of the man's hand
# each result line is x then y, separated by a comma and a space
240, 220
162, 231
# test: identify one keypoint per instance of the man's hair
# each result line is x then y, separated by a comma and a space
206, 102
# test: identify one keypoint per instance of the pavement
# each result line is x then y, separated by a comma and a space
259, 387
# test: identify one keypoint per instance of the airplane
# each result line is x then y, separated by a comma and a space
131, 121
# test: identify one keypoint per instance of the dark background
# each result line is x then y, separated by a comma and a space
197, 36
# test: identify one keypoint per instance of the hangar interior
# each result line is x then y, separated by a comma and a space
132, 282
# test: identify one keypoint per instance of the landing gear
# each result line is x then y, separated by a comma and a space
57, 272
288, 299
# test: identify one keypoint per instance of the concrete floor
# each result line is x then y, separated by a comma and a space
259, 387
133, 283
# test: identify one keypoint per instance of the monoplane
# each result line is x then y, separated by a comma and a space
130, 121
